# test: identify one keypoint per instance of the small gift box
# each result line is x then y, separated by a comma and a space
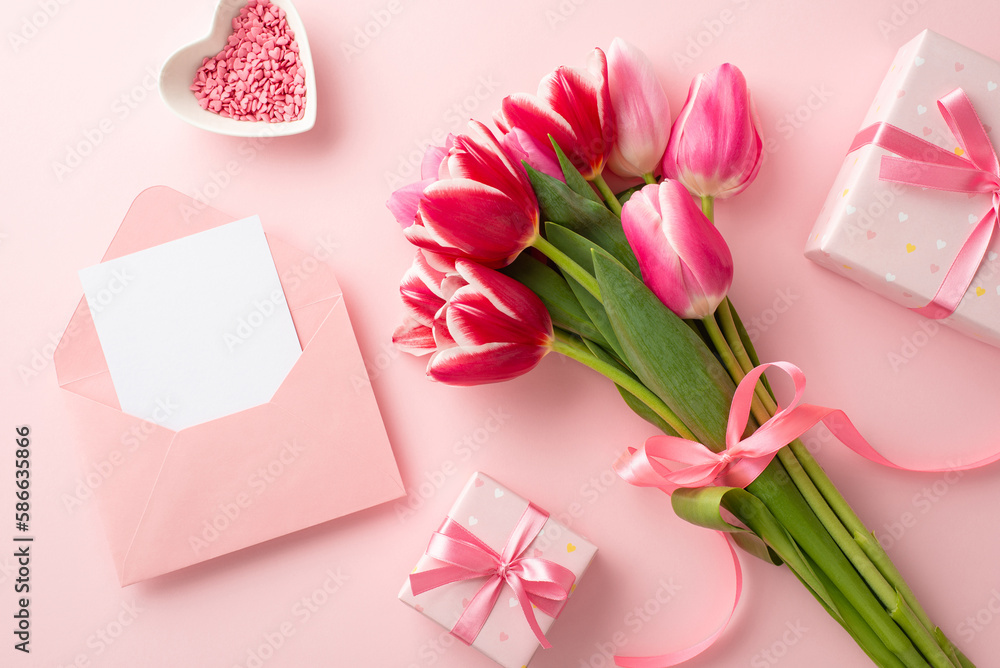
497, 572
912, 211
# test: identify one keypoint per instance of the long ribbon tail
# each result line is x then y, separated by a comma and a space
679, 656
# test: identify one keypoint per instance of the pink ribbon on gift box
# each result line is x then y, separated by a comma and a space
972, 168
535, 581
655, 465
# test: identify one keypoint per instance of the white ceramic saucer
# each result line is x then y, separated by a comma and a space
179, 71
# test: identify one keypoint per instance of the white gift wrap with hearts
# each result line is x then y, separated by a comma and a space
491, 511
899, 240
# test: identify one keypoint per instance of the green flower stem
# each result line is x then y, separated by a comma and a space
867, 590
922, 638
567, 345
708, 207
887, 595
566, 263
732, 365
722, 348
725, 316
777, 491
841, 521
877, 555
607, 194
649, 178
872, 549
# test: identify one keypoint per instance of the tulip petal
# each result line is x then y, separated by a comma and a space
430, 166
489, 363
511, 298
522, 146
537, 119
715, 147
438, 262
421, 290
442, 336
482, 159
476, 220
473, 321
405, 201
414, 338
658, 262
682, 257
425, 238
642, 112
583, 98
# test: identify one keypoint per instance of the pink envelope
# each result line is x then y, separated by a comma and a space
316, 451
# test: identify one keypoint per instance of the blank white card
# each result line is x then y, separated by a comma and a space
196, 328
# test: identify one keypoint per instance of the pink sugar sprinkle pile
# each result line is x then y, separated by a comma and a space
258, 76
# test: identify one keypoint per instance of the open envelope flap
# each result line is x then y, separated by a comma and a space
315, 452
129, 454
79, 360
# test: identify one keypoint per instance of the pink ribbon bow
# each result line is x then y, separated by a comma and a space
540, 582
972, 168
744, 458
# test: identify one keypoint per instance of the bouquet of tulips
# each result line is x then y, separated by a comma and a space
524, 250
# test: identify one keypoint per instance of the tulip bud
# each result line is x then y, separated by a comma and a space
491, 329
642, 111
715, 146
683, 258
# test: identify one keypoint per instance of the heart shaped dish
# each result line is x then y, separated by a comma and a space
180, 70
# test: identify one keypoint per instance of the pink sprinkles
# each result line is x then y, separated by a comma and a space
258, 76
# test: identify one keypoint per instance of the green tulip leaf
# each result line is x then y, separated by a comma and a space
592, 220
579, 250
574, 179
666, 354
563, 306
633, 402
626, 195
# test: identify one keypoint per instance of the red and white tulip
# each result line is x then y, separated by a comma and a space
490, 329
479, 205
573, 105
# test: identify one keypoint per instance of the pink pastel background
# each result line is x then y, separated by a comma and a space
82, 74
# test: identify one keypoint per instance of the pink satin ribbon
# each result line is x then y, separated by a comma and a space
739, 465
920, 163
539, 582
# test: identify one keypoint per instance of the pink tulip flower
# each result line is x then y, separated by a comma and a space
715, 146
574, 106
491, 329
480, 206
642, 112
683, 258
425, 288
